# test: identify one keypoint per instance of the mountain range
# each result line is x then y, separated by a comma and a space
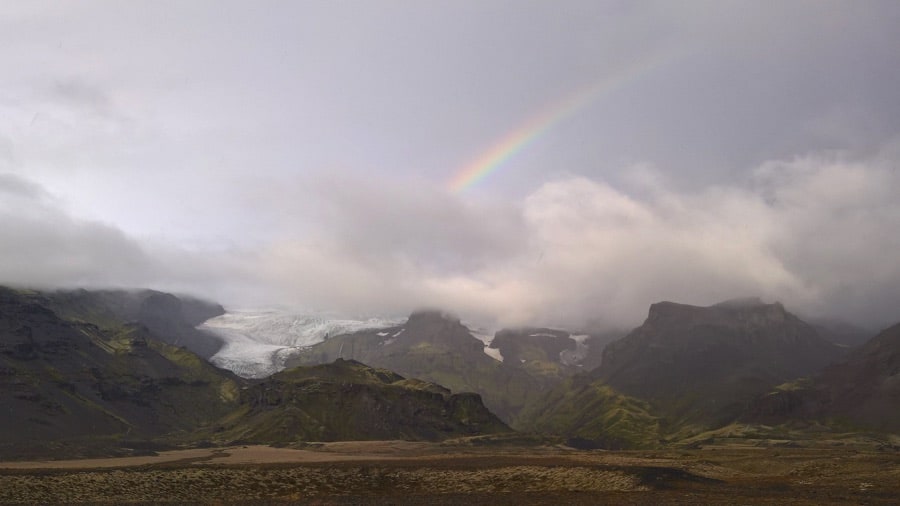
104, 372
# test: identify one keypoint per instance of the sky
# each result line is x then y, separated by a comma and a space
516, 162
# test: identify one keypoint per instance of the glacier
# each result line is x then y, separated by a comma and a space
258, 342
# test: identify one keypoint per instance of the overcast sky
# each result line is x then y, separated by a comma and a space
301, 153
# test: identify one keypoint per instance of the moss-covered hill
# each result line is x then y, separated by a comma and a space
593, 415
347, 400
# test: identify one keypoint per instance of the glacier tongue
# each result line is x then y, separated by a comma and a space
257, 343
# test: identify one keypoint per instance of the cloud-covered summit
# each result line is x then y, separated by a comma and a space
817, 232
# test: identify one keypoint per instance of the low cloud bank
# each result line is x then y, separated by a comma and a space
819, 233
816, 232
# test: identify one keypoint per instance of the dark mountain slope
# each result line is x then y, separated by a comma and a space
347, 400
703, 364
863, 391
70, 381
171, 319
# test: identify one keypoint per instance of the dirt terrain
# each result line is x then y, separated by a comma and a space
395, 472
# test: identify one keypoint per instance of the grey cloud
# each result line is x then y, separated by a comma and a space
42, 245
77, 92
417, 221
14, 186
190, 145
816, 233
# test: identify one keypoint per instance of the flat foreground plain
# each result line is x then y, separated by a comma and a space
391, 472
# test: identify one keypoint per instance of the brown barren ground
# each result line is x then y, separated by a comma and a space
394, 472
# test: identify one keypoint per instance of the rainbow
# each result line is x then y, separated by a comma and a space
519, 138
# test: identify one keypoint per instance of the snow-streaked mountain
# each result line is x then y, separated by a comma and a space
257, 343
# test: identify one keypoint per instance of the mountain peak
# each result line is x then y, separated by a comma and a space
740, 310
707, 361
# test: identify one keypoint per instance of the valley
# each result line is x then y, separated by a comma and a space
454, 472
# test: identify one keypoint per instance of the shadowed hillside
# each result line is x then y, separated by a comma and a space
862, 391
72, 382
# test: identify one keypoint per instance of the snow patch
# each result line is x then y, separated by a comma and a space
494, 353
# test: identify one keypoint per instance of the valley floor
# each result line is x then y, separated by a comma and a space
422, 473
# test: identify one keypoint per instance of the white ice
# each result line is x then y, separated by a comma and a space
257, 343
